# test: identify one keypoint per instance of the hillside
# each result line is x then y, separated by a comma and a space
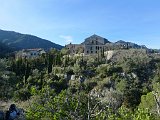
130, 44
4, 50
23, 41
64, 87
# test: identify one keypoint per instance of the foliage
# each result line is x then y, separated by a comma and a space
124, 88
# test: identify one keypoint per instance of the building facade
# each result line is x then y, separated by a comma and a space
30, 53
94, 45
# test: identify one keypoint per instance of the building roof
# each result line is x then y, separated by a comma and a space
96, 37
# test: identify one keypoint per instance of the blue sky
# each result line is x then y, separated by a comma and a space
64, 21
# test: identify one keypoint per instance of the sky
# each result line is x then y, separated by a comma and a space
65, 21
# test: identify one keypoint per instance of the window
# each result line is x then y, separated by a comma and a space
92, 41
90, 48
87, 51
91, 51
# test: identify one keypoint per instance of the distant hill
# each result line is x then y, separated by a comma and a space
130, 44
19, 41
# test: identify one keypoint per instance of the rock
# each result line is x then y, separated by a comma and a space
109, 54
134, 75
73, 77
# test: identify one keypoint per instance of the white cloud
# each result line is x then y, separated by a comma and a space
67, 38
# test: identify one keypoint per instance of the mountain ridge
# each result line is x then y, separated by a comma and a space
18, 41
131, 44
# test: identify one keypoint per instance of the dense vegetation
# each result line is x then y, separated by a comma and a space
59, 86
23, 41
4, 50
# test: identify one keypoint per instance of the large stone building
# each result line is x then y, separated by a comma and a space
94, 45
